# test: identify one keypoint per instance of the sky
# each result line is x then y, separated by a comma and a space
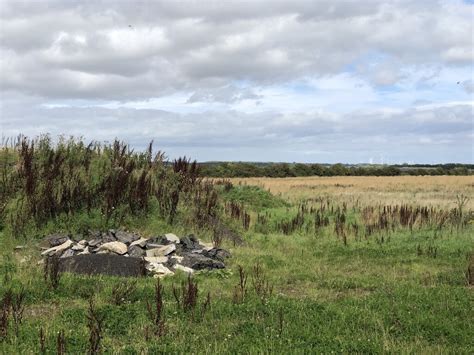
263, 80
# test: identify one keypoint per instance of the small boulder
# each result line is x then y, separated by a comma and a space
67, 253
78, 247
200, 262
172, 238
161, 251
126, 237
135, 251
206, 246
115, 247
159, 270
190, 242
183, 268
140, 242
108, 237
177, 258
95, 242
57, 239
217, 253
153, 245
57, 249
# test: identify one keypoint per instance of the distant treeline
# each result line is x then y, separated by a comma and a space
242, 169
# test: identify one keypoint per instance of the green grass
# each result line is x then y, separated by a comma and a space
372, 295
366, 297
253, 197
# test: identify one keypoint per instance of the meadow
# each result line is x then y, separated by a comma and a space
326, 264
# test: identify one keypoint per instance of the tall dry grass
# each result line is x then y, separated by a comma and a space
439, 191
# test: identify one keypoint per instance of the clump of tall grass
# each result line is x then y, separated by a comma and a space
186, 298
156, 311
42, 181
95, 322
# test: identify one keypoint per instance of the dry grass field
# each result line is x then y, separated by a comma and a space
440, 191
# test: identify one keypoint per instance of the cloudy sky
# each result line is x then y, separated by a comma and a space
299, 80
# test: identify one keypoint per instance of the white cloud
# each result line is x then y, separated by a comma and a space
224, 74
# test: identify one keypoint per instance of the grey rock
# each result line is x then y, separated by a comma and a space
217, 253
171, 262
150, 245
108, 237
126, 237
94, 242
106, 264
190, 242
200, 262
177, 258
57, 239
135, 251
67, 253
159, 240
171, 238
140, 242
57, 249
161, 251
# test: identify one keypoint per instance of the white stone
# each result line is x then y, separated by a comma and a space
186, 269
177, 258
82, 242
78, 247
85, 251
206, 246
140, 242
159, 269
57, 249
172, 238
115, 247
156, 259
161, 251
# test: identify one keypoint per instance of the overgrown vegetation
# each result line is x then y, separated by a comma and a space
72, 183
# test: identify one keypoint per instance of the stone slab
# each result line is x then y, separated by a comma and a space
103, 264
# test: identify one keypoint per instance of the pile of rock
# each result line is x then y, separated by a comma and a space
161, 255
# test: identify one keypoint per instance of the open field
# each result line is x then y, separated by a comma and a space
423, 190
367, 265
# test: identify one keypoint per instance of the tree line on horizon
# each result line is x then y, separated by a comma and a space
245, 169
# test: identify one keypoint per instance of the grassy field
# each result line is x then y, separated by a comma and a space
425, 190
328, 271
